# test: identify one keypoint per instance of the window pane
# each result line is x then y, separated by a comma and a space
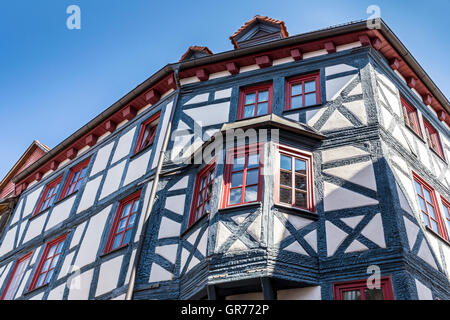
425, 219
263, 96
236, 179
310, 86
200, 198
310, 99
49, 276
418, 187
296, 89
52, 250
131, 221
249, 111
127, 237
285, 195
263, 108
285, 162
60, 246
296, 102
300, 199
251, 193
427, 195
54, 262
434, 226
252, 177
40, 282
431, 211
285, 178
207, 206
422, 204
235, 196
122, 225
250, 98
126, 210
300, 182
46, 265
374, 294
300, 166
239, 163
202, 184
253, 160
351, 295
116, 242
135, 206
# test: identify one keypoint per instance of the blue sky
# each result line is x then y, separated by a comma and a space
54, 80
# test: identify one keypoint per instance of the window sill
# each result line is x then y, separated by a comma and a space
105, 254
437, 235
416, 134
302, 108
241, 206
34, 216
192, 226
143, 150
35, 289
65, 197
297, 211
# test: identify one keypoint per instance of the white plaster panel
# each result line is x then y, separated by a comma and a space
189, 80
312, 116
168, 228
222, 235
356, 90
335, 86
336, 121
335, 236
60, 212
279, 231
308, 293
296, 248
219, 74
360, 173
426, 255
249, 68
124, 145
203, 97
176, 203
296, 221
8, 241
181, 184
148, 191
348, 46
168, 252
356, 246
89, 194
277, 62
137, 168
203, 243
158, 273
339, 68
57, 293
31, 201
112, 180
121, 297
20, 290
226, 93
342, 153
16, 214
5, 272
162, 134
336, 198
423, 292
35, 227
101, 160
77, 235
211, 114
87, 252
374, 231
311, 239
80, 286
411, 232
109, 275
237, 245
313, 54
67, 265
38, 296
254, 229
358, 109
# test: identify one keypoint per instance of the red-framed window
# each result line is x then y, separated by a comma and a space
302, 91
255, 101
49, 260
294, 179
243, 175
410, 117
429, 206
446, 206
147, 133
201, 202
76, 177
359, 290
434, 142
124, 220
16, 277
49, 195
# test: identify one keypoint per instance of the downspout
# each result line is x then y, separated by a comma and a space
132, 281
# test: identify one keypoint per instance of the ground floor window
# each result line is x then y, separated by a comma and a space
359, 290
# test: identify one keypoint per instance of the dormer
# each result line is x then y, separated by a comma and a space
195, 52
259, 30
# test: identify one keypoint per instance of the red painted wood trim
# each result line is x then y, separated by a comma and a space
232, 67
365, 40
377, 43
411, 82
427, 99
152, 96
129, 112
330, 46
171, 82
71, 153
340, 287
394, 63
142, 130
442, 115
296, 54
13, 273
202, 74
263, 61
110, 126
44, 194
38, 176
91, 140
54, 165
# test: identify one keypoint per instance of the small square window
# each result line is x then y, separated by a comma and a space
410, 117
303, 91
147, 133
434, 142
75, 179
255, 101
49, 195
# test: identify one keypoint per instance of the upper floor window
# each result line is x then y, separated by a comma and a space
410, 116
294, 185
201, 204
49, 260
147, 133
358, 290
123, 223
255, 101
48, 197
76, 177
446, 206
16, 277
303, 91
433, 138
428, 206
243, 176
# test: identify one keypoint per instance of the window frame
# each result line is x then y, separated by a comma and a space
228, 170
13, 273
79, 182
117, 217
302, 79
43, 258
198, 179
340, 287
138, 148
43, 196
431, 132
408, 109
424, 185
301, 155
446, 205
256, 88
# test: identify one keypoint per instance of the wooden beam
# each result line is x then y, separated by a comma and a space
38, 176
364, 39
71, 153
376, 43
411, 82
91, 140
232, 67
202, 74
263, 61
211, 290
267, 289
171, 82
442, 115
296, 54
110, 125
152, 96
330, 46
54, 165
129, 112
427, 99
394, 63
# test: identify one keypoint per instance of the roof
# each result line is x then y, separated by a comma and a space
284, 31
196, 49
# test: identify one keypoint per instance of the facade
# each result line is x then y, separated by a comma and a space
336, 169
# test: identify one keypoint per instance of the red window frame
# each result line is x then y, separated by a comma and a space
243, 151
303, 156
48, 255
50, 193
255, 89
410, 117
341, 287
144, 141
301, 80
201, 188
446, 206
133, 202
13, 274
75, 179
434, 142
426, 216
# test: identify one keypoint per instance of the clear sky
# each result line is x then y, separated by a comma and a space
54, 80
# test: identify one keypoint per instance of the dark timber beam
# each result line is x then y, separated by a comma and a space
267, 289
